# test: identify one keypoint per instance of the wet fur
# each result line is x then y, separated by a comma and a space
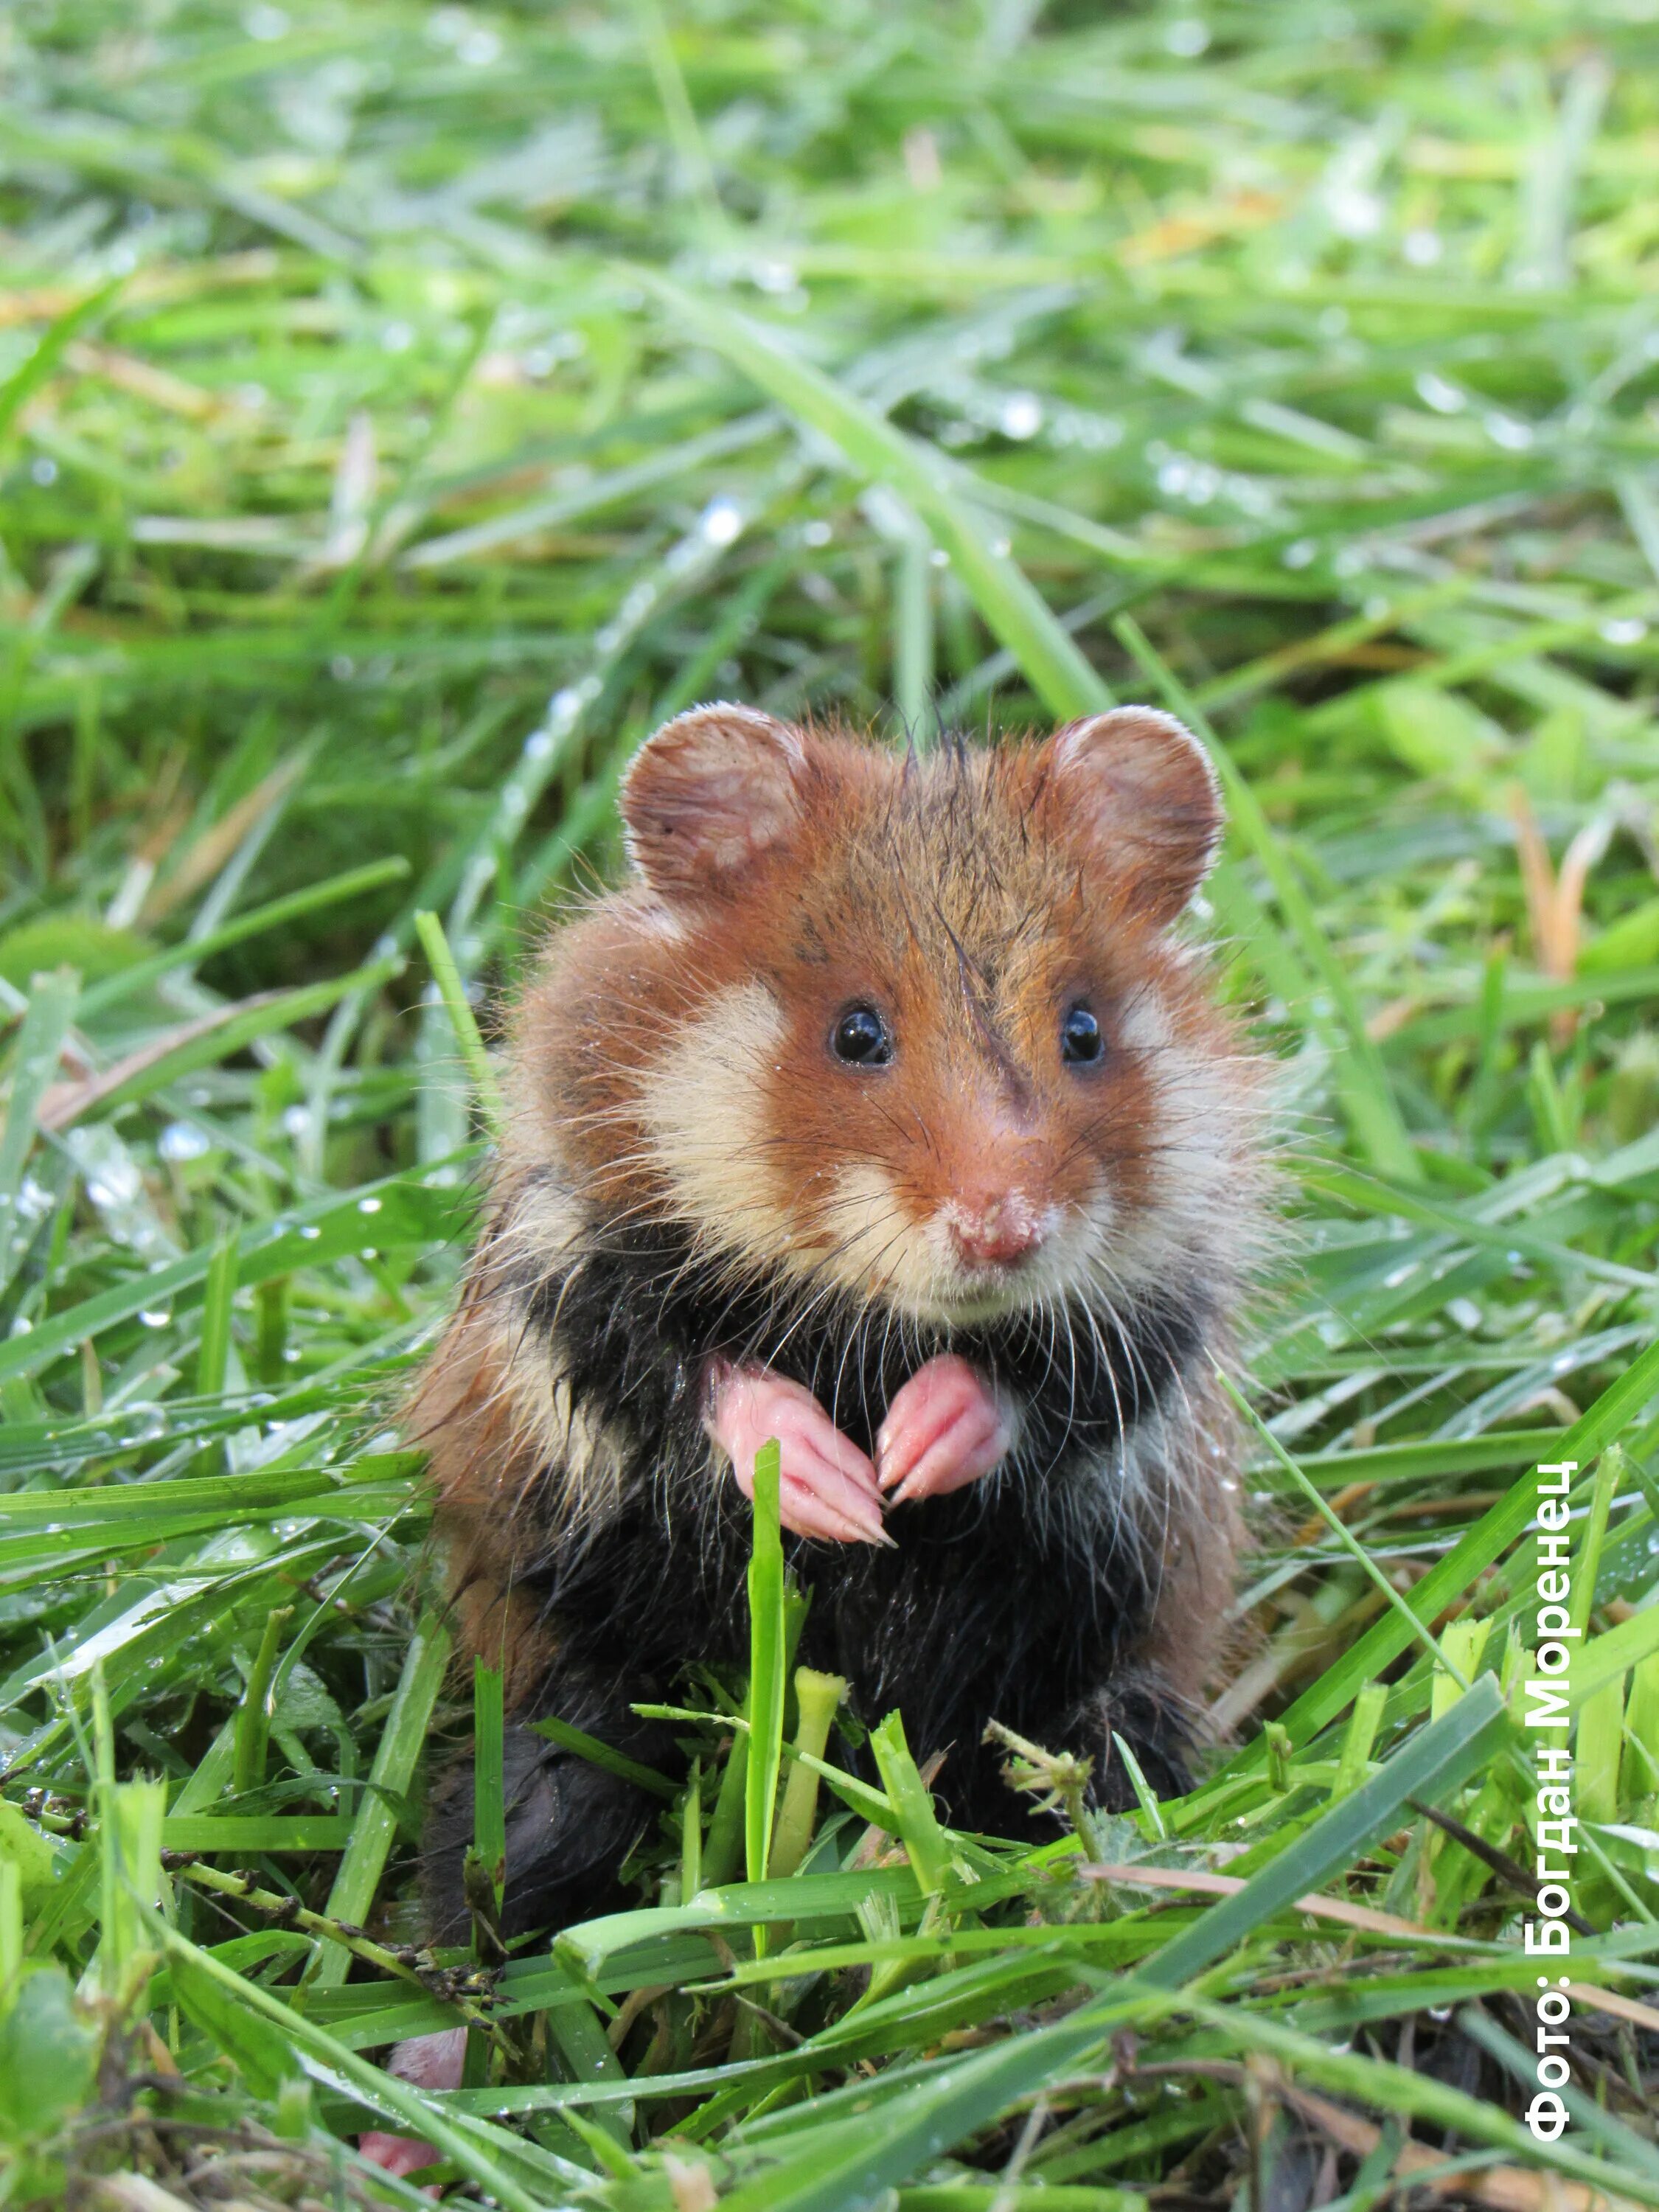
644, 1221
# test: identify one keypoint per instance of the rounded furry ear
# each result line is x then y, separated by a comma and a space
710, 794
1138, 786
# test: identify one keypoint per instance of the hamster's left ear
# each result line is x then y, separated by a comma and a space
712, 792
1137, 787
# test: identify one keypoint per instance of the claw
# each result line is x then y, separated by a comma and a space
828, 1488
943, 1430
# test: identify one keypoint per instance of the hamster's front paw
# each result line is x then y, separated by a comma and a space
828, 1487
944, 1429
430, 2061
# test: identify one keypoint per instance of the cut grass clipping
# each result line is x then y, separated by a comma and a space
402, 412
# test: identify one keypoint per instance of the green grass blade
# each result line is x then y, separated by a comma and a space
489, 1784
1474, 1552
402, 1740
766, 1657
470, 1045
34, 1057
602, 1755
1431, 1765
1057, 672
919, 1828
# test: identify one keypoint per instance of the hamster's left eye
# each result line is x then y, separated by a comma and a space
1080, 1041
861, 1038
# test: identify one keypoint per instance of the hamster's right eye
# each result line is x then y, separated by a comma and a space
860, 1037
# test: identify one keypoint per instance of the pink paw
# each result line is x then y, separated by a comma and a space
430, 2061
396, 2154
829, 1486
943, 1430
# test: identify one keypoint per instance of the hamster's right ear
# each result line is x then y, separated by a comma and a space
710, 794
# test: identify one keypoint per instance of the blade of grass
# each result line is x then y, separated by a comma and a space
402, 1739
488, 1786
941, 495
447, 977
275, 914
766, 1664
1451, 1576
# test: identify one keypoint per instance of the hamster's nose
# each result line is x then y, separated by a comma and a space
994, 1232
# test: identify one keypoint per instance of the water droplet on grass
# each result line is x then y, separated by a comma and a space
720, 522
1434, 392
1020, 416
182, 1140
1186, 37
1504, 431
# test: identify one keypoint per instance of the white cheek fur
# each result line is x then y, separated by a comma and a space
705, 1122
1202, 1189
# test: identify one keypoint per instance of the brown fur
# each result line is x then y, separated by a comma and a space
669, 1063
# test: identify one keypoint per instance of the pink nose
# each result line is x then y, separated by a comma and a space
996, 1232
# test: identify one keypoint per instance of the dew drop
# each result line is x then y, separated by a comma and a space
1434, 392
1504, 431
720, 521
1186, 37
1020, 416
183, 1140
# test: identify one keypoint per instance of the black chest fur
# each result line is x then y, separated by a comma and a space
1012, 1600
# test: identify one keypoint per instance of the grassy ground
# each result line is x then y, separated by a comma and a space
401, 410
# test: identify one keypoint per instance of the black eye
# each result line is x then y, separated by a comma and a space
1080, 1039
861, 1038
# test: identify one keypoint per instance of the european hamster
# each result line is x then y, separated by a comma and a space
885, 1111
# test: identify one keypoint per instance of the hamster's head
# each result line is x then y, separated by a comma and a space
917, 1029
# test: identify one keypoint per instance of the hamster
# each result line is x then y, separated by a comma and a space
883, 1111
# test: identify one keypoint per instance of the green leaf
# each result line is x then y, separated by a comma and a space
41, 1863
923, 1839
48, 2054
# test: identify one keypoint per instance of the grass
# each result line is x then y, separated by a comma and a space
401, 411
